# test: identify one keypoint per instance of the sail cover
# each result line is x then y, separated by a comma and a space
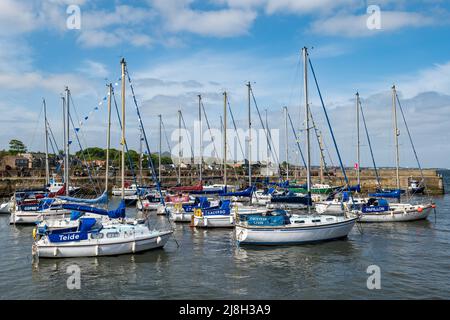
113, 214
102, 199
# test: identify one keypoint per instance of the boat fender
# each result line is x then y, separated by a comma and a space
420, 209
158, 240
34, 233
433, 206
198, 212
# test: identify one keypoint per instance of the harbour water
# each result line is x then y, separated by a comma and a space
413, 259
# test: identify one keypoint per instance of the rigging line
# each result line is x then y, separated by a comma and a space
278, 163
370, 145
84, 157
167, 141
329, 126
316, 131
52, 136
235, 129
209, 130
165, 135
35, 128
328, 153
188, 138
82, 134
296, 139
410, 137
230, 154
150, 161
263, 127
126, 144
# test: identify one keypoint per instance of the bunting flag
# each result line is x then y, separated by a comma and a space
91, 113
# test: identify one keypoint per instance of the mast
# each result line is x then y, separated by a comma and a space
249, 137
141, 157
358, 154
160, 147
308, 143
47, 170
201, 136
67, 141
225, 140
64, 137
396, 134
286, 141
179, 147
123, 63
108, 137
267, 147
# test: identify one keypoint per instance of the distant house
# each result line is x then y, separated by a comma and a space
270, 170
14, 162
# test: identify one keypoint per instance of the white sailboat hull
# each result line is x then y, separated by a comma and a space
398, 215
33, 217
145, 205
294, 233
219, 221
100, 247
181, 216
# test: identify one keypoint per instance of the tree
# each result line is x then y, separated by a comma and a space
17, 146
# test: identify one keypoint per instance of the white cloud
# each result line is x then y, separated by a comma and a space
16, 17
348, 25
179, 17
435, 78
94, 69
306, 6
36, 80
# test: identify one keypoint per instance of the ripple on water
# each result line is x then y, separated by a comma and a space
207, 264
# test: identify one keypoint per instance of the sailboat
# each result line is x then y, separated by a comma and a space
279, 228
45, 205
219, 216
380, 210
95, 236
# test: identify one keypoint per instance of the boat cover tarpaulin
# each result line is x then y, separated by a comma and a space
100, 200
244, 193
113, 214
387, 194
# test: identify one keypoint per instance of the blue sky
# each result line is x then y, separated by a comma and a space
177, 49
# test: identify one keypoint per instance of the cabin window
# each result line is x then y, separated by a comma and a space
96, 235
315, 220
112, 235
